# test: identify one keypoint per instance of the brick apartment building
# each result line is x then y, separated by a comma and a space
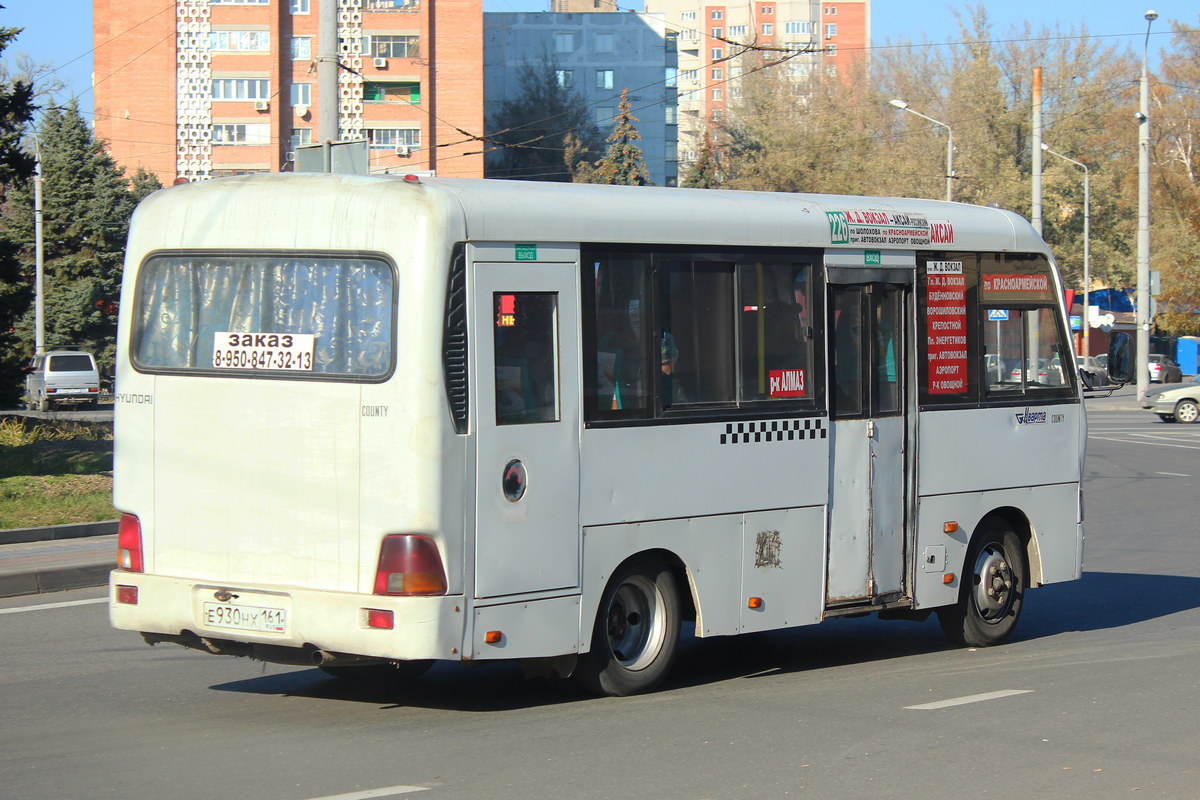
832, 34
208, 88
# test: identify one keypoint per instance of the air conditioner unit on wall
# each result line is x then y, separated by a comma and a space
290, 156
381, 63
301, 110
403, 150
261, 105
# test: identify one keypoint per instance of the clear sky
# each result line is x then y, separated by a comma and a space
59, 32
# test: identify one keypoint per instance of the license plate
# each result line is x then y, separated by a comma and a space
245, 618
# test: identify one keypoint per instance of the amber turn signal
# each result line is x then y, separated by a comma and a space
492, 637
755, 602
948, 578
949, 527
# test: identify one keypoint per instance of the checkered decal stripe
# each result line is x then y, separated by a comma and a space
773, 431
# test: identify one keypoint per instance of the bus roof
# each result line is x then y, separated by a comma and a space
274, 210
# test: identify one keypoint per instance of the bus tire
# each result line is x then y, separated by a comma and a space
1186, 411
995, 576
636, 632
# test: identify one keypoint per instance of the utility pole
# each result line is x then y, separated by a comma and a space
1143, 235
327, 78
39, 299
1037, 150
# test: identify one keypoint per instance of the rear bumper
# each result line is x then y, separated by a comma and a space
424, 627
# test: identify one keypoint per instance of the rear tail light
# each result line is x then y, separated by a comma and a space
409, 565
129, 544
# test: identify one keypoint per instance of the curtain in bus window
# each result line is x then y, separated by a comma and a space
344, 303
885, 392
620, 335
848, 353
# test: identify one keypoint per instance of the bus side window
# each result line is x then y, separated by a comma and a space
526, 363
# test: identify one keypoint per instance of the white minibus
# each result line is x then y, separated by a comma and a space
369, 423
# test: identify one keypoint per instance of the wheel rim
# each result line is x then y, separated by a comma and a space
1186, 412
995, 583
636, 628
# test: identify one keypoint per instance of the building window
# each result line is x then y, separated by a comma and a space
717, 94
689, 74
671, 151
831, 29
301, 94
564, 43
239, 133
768, 29
604, 42
718, 74
671, 115
831, 10
391, 138
239, 2
240, 41
768, 10
604, 79
718, 53
671, 41
389, 5
797, 27
716, 14
717, 33
566, 78
398, 92
717, 114
737, 30
735, 92
688, 16
672, 78
394, 46
831, 50
298, 6
300, 137
241, 89
301, 48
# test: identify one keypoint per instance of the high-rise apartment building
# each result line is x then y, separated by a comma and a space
596, 56
206, 88
830, 36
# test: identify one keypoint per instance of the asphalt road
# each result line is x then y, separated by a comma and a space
1096, 696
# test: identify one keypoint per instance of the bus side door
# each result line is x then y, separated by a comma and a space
527, 385
868, 470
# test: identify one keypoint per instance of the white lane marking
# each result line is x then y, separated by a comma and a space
973, 698
48, 606
387, 791
1173, 474
1143, 441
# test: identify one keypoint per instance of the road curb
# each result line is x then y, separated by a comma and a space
51, 533
55, 579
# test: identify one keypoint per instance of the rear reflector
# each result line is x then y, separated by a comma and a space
380, 618
129, 544
409, 565
127, 594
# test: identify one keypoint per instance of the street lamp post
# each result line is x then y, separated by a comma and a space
903, 106
39, 296
1143, 236
1087, 240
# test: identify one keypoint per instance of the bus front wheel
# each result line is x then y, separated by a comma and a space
636, 633
994, 579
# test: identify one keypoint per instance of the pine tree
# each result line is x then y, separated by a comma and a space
623, 162
703, 173
87, 204
16, 287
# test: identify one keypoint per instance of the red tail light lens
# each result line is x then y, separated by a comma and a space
409, 565
129, 544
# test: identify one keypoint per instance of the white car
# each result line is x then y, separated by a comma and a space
1175, 404
61, 376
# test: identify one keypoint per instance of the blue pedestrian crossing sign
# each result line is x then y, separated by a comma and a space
997, 314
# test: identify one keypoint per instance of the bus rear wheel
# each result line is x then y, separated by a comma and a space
636, 633
994, 579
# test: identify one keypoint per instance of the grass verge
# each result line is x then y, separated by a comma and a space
54, 473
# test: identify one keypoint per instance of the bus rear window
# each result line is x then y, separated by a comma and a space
301, 316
